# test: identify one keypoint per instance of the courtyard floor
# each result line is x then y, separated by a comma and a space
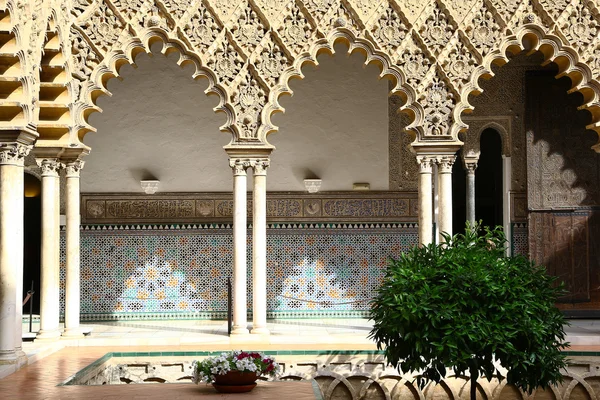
52, 363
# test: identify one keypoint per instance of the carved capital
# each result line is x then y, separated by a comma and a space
13, 153
73, 168
49, 166
445, 164
425, 164
470, 166
260, 166
239, 166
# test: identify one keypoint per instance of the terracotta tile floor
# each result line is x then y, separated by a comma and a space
40, 380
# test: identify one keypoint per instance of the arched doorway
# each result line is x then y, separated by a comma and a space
488, 180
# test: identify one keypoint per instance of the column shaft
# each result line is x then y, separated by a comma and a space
72, 291
471, 192
259, 248
240, 223
445, 193
11, 260
425, 201
49, 296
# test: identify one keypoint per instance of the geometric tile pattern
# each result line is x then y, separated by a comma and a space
520, 239
312, 270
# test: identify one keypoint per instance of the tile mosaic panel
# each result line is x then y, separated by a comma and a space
520, 239
181, 272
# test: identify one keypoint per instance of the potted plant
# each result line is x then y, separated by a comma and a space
466, 306
234, 371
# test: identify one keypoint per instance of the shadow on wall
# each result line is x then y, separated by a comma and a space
563, 190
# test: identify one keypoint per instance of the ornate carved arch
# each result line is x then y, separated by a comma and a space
532, 38
501, 124
109, 67
355, 43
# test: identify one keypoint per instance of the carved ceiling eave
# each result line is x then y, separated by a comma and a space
248, 51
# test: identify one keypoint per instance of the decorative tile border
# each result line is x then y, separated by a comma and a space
218, 207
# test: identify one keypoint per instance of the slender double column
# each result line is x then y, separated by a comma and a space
72, 300
259, 246
445, 164
425, 200
470, 167
49, 296
240, 210
11, 251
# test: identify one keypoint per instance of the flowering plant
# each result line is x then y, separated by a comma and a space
241, 361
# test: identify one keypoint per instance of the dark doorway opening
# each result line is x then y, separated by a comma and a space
459, 195
32, 240
488, 180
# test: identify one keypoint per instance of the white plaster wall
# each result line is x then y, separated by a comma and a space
160, 124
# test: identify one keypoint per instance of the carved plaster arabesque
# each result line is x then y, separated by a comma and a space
116, 30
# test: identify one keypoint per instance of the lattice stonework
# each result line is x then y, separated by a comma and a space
182, 273
434, 51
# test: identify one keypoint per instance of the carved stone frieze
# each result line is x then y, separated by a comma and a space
202, 28
390, 30
103, 27
437, 30
580, 25
218, 207
436, 51
271, 61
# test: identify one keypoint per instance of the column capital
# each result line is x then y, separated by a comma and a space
14, 153
239, 166
425, 164
49, 166
73, 168
260, 165
470, 166
445, 163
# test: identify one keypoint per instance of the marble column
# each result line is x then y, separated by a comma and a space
49, 288
11, 251
259, 247
425, 200
72, 301
240, 223
445, 164
470, 167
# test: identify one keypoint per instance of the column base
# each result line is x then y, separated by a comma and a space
48, 336
239, 330
260, 331
72, 333
8, 357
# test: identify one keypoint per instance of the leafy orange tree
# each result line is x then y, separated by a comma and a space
465, 306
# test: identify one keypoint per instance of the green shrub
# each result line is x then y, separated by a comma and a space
464, 305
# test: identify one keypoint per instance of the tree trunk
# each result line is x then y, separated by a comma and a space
474, 375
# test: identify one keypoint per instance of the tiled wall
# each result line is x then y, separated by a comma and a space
181, 272
520, 239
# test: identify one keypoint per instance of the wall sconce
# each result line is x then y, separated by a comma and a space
361, 186
312, 185
150, 187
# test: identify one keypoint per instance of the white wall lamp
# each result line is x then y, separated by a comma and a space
312, 185
150, 186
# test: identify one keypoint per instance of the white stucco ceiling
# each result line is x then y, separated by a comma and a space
160, 124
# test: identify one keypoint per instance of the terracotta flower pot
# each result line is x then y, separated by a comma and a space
235, 382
